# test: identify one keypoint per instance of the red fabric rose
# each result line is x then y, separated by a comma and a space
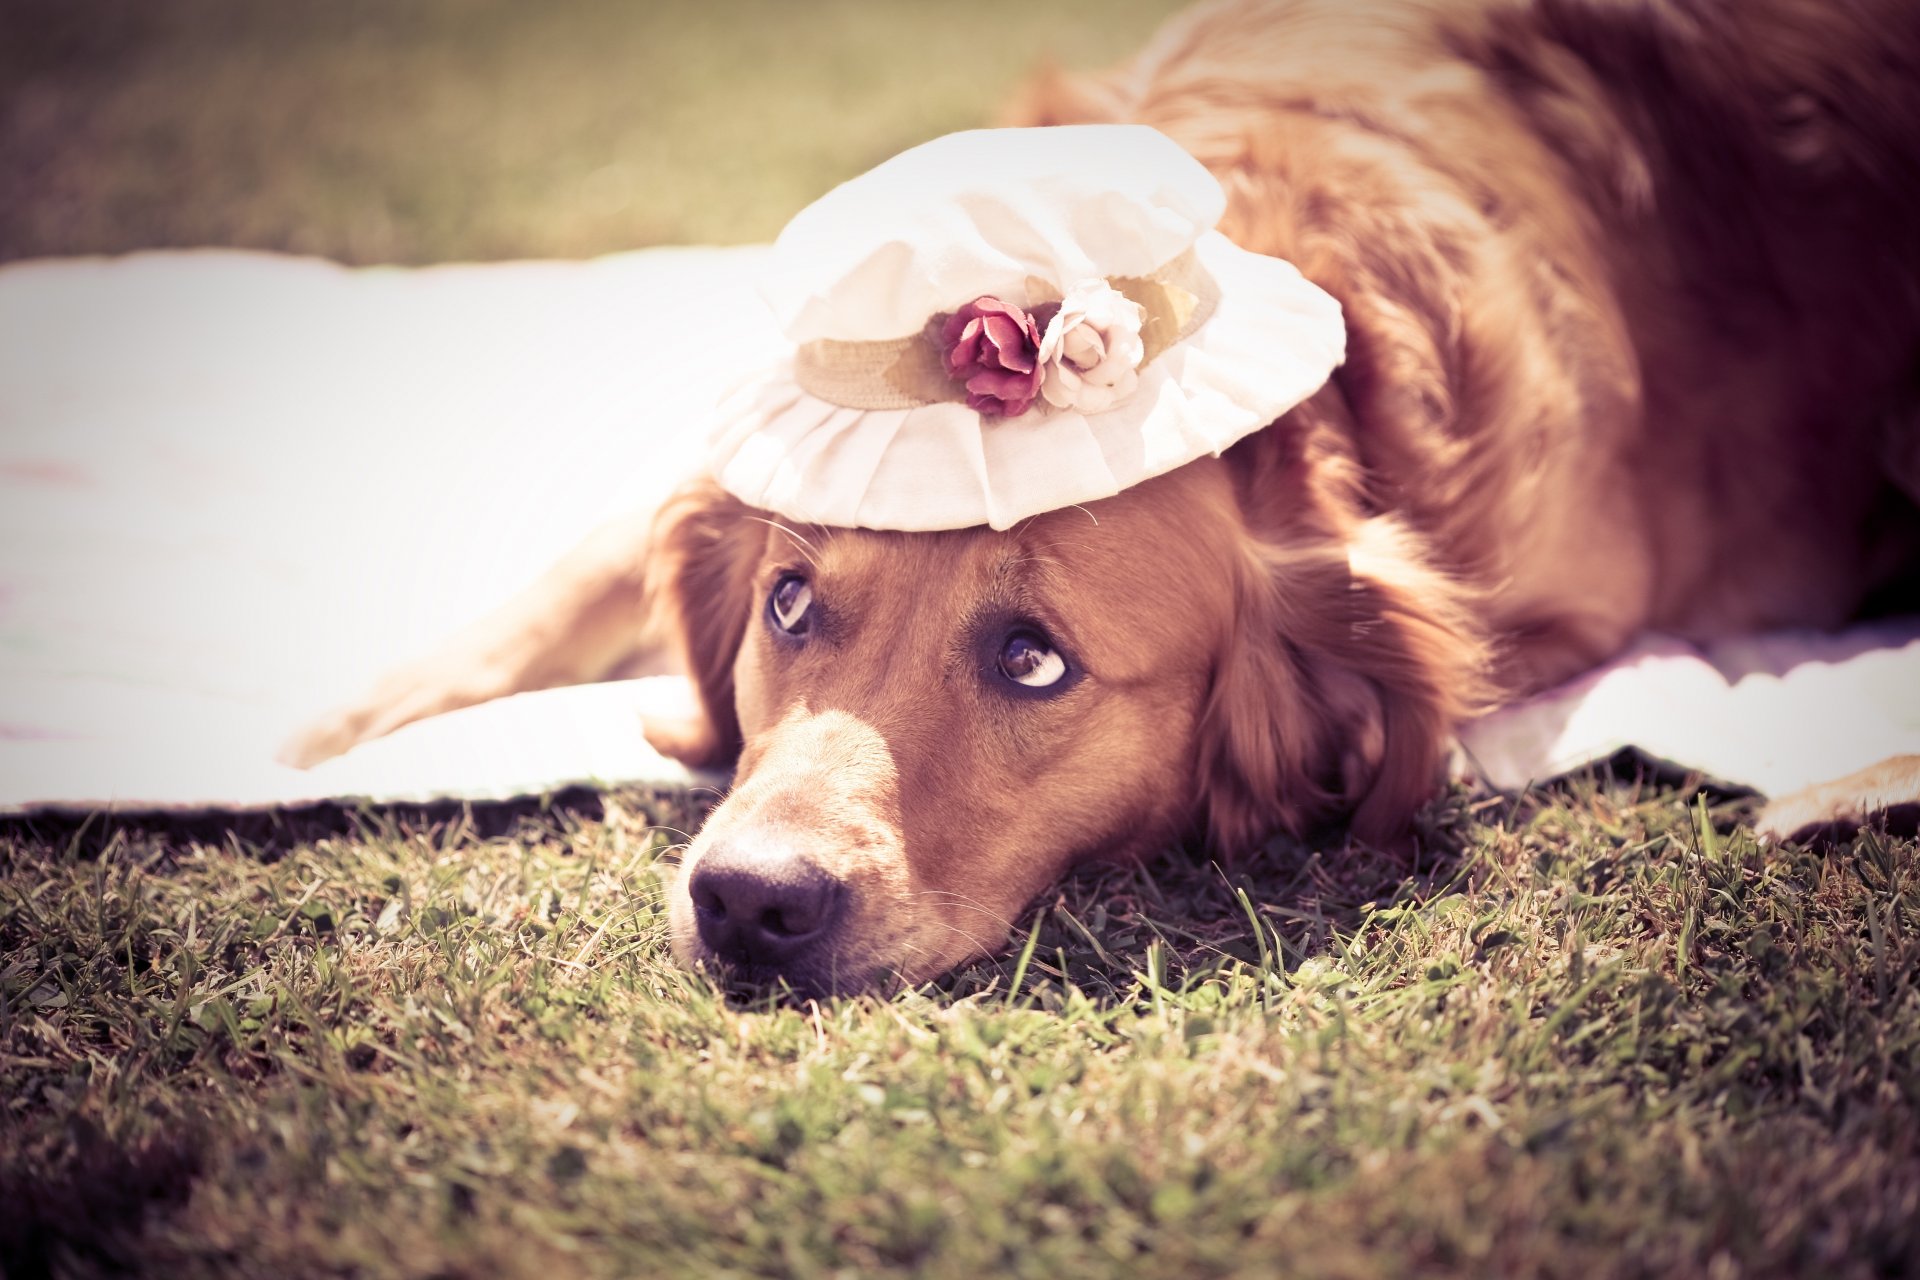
994, 348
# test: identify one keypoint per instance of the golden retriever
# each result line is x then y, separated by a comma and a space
1633, 297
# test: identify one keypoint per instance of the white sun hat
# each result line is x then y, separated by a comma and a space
1010, 321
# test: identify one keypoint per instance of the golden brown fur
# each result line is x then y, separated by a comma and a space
1633, 296
1633, 289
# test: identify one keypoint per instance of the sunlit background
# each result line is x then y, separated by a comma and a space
411, 131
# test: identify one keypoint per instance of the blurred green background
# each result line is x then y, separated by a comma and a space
429, 130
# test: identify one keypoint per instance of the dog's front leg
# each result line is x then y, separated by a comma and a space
583, 620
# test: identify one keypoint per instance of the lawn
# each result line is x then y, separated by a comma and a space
1592, 1030
433, 130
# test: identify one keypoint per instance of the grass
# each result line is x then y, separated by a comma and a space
428, 130
1591, 1031
1595, 1031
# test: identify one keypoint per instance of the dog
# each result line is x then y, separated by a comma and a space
1632, 293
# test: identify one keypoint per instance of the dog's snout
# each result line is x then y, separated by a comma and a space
756, 909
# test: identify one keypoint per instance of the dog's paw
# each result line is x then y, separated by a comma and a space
402, 696
323, 739
1886, 792
692, 740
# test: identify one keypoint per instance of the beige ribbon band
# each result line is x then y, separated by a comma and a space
905, 373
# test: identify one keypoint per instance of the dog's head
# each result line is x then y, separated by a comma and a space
931, 727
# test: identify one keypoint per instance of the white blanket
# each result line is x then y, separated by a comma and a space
235, 487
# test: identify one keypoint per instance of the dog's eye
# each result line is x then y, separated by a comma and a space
792, 596
1028, 659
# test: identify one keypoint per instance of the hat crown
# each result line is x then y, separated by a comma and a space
982, 213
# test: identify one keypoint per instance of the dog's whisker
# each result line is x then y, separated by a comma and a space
908, 951
958, 901
806, 547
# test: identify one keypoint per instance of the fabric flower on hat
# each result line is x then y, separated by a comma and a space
1090, 354
994, 348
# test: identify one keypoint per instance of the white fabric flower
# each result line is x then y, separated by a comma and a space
1090, 353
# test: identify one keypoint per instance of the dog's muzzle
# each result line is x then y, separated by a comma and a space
767, 914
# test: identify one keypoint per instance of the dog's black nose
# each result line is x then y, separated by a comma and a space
762, 910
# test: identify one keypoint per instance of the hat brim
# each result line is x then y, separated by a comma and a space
1273, 340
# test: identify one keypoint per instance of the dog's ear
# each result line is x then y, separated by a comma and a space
1408, 663
1343, 674
699, 585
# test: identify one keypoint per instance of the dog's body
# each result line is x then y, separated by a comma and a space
1633, 301
1633, 295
